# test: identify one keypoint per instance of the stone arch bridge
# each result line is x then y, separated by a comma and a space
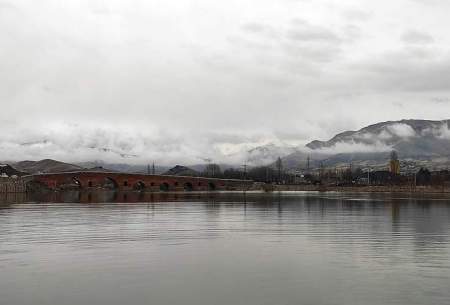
127, 182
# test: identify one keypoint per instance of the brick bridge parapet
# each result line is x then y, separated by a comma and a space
128, 181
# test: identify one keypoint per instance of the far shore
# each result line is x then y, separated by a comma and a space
17, 186
360, 189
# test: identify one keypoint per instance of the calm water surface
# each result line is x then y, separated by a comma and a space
230, 249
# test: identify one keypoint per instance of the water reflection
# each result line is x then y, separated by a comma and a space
235, 248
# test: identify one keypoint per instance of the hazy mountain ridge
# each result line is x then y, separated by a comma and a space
408, 137
45, 166
180, 170
123, 167
418, 142
268, 153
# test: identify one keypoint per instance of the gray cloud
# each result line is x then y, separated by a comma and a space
407, 70
440, 100
416, 37
171, 81
303, 31
260, 28
298, 38
6, 5
357, 14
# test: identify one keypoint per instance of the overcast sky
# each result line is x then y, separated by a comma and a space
176, 80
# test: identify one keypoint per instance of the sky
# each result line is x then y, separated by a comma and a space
181, 81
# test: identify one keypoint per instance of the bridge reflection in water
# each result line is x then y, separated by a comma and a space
101, 196
114, 196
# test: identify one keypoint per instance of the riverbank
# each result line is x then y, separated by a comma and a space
359, 189
8, 185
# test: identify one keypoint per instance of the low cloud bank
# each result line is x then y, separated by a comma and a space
145, 144
384, 138
133, 145
355, 147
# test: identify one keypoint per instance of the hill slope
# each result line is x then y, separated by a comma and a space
45, 166
420, 142
411, 138
180, 170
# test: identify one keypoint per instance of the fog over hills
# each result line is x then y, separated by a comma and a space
263, 155
423, 142
418, 143
178, 82
411, 137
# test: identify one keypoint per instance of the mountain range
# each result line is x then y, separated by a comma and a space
45, 166
419, 143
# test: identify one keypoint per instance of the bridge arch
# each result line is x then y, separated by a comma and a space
139, 186
110, 183
211, 186
188, 187
76, 182
67, 183
164, 187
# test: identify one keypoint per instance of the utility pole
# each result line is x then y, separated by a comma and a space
245, 170
307, 164
336, 175
208, 167
279, 168
153, 168
321, 171
148, 169
368, 176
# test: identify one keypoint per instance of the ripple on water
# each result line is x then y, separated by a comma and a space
233, 249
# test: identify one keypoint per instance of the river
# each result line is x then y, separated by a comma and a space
224, 249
